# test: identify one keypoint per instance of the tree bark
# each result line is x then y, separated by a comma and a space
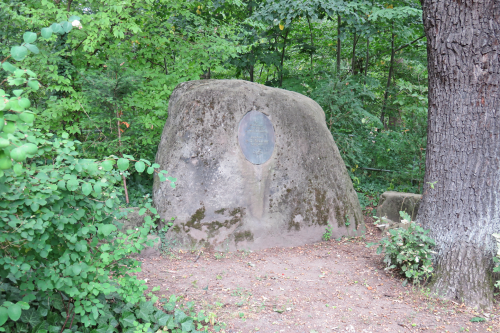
250, 72
463, 146
283, 58
353, 60
389, 78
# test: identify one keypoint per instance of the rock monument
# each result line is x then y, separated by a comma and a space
391, 203
256, 167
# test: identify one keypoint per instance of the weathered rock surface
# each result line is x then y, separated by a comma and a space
391, 202
225, 201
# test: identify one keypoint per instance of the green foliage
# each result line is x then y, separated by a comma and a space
477, 319
407, 249
60, 247
328, 232
106, 72
165, 243
49, 312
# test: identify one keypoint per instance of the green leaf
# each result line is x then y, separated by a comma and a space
27, 117
127, 319
34, 207
140, 166
188, 326
14, 312
123, 164
142, 211
107, 165
72, 184
162, 318
150, 170
24, 103
76, 269
46, 32
31, 316
110, 203
7, 66
29, 37
97, 188
18, 169
18, 52
17, 92
74, 18
3, 315
145, 309
32, 48
106, 229
87, 188
57, 29
66, 26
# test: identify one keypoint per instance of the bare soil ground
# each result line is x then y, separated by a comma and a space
331, 286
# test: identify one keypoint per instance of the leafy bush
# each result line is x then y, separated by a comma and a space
64, 264
407, 249
342, 100
328, 232
496, 259
51, 312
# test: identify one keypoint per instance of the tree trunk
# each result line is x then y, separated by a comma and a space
283, 58
389, 78
463, 146
353, 60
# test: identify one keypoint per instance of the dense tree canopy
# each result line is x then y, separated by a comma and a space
364, 62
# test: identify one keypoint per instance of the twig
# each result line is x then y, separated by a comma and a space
5, 59
198, 256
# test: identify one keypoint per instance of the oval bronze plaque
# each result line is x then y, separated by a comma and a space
256, 137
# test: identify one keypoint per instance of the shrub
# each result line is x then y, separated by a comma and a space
407, 249
64, 264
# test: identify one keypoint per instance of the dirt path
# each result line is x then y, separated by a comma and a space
334, 286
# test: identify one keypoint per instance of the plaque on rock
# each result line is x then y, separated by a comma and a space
256, 137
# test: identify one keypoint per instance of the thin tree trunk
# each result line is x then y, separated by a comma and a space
463, 146
353, 61
339, 21
120, 144
283, 57
367, 56
118, 123
251, 73
389, 78
260, 73
312, 42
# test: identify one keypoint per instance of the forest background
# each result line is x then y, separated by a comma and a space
108, 84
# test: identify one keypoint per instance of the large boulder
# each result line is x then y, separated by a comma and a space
256, 167
391, 203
